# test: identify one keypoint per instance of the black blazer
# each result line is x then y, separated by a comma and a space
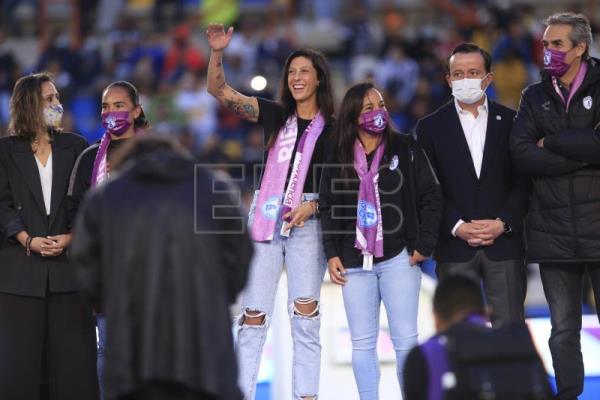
498, 193
22, 208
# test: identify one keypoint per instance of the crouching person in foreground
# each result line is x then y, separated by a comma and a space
469, 360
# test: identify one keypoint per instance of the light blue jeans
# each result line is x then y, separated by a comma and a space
398, 284
303, 256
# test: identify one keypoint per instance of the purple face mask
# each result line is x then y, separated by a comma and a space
554, 62
116, 122
374, 122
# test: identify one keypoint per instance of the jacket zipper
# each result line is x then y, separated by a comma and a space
572, 202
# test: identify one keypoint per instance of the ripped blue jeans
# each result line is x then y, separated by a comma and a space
302, 255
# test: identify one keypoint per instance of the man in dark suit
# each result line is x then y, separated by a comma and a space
467, 143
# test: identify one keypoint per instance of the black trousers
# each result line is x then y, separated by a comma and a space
167, 391
47, 348
504, 284
563, 287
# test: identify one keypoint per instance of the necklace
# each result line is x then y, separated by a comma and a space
37, 148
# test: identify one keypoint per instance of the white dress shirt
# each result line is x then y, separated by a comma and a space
474, 129
46, 180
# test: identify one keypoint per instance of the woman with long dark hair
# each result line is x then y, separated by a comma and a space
381, 206
283, 220
47, 337
122, 118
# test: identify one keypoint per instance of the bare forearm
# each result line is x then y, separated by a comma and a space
244, 106
216, 75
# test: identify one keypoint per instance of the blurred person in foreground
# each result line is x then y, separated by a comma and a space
164, 257
504, 358
556, 140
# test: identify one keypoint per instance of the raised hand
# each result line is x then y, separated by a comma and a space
218, 40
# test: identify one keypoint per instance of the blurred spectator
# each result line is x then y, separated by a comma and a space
59, 56
511, 78
398, 75
273, 48
160, 14
167, 118
468, 15
240, 59
198, 107
358, 46
8, 16
182, 56
9, 73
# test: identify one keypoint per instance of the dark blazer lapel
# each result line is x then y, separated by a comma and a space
492, 135
25, 161
61, 171
458, 137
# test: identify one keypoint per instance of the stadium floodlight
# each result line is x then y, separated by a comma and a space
258, 83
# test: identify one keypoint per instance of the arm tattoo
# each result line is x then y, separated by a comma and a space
244, 110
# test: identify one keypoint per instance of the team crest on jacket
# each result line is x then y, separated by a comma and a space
587, 102
394, 163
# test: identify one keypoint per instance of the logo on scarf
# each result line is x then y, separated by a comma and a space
587, 102
271, 207
366, 214
111, 122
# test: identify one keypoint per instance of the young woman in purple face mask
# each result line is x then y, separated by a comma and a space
122, 118
381, 206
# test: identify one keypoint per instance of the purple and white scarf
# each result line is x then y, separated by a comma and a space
273, 181
100, 170
369, 229
574, 86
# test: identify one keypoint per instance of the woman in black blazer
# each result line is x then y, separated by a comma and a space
47, 337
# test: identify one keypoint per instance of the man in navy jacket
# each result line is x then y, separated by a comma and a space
467, 143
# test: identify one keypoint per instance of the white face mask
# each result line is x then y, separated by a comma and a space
467, 90
53, 115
